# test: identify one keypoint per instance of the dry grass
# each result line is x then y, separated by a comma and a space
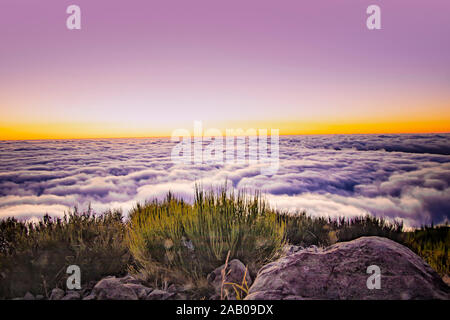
175, 241
34, 257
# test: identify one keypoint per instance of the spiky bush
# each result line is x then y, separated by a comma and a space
432, 244
175, 241
305, 230
34, 256
352, 228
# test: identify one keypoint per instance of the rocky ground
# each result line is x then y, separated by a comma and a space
335, 272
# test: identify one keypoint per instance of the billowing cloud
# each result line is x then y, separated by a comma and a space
396, 176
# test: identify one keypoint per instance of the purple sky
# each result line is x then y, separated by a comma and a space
158, 65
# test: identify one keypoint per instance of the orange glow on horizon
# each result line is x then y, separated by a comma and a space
27, 131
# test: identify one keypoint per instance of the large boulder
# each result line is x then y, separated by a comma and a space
341, 272
234, 274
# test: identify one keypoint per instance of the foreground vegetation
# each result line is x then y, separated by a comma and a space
172, 241
34, 257
432, 244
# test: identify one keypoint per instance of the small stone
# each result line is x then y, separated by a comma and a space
72, 295
174, 288
159, 295
112, 288
90, 297
141, 291
28, 296
57, 294
129, 279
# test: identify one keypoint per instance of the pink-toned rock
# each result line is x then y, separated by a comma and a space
340, 272
113, 289
160, 295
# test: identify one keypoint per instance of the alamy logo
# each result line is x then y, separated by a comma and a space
73, 22
373, 22
74, 280
374, 281
213, 147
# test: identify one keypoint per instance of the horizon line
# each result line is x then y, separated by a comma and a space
281, 135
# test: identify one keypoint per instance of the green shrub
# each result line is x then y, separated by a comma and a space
179, 242
352, 228
305, 230
432, 243
34, 256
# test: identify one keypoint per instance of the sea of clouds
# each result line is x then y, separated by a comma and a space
396, 176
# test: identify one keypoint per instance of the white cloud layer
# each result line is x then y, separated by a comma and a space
395, 176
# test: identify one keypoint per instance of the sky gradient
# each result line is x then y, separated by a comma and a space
145, 68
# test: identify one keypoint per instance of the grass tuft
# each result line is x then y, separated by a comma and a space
172, 240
